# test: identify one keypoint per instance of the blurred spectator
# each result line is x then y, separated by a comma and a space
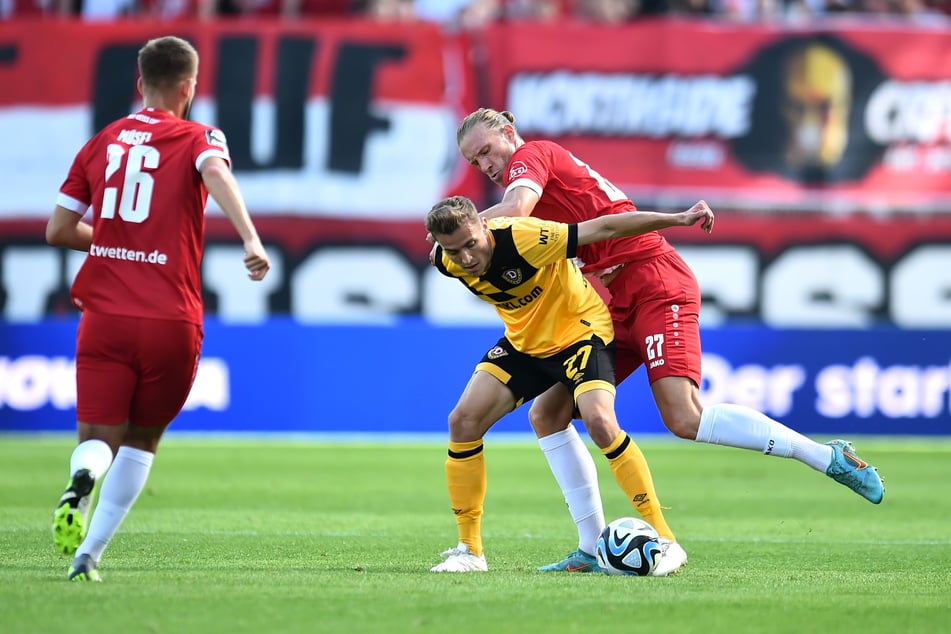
460, 14
389, 10
607, 11
749, 10
534, 10
691, 7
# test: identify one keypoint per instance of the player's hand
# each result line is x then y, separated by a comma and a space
701, 213
256, 260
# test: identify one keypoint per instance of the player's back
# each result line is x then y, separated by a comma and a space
140, 176
572, 192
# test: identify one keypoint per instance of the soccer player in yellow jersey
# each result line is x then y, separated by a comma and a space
557, 330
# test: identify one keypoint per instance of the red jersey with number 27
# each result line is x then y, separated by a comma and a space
571, 191
140, 177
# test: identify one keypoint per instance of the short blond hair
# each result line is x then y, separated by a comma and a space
449, 214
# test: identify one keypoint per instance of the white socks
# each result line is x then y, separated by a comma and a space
745, 428
574, 469
94, 455
119, 491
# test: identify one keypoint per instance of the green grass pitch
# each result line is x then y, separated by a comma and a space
261, 535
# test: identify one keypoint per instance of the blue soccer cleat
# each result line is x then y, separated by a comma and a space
848, 469
577, 561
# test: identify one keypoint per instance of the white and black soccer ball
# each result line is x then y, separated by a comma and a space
628, 546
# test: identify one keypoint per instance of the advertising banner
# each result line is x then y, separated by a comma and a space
855, 116
332, 118
405, 379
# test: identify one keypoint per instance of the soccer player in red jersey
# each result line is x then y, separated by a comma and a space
655, 306
146, 178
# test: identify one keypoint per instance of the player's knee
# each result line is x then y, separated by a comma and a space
683, 424
602, 428
546, 421
463, 426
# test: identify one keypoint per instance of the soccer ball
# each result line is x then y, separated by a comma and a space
628, 546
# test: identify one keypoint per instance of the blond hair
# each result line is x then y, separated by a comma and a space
491, 119
449, 214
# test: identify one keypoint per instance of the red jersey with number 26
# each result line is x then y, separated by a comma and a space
140, 177
571, 192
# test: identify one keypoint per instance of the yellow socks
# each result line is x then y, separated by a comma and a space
466, 477
631, 472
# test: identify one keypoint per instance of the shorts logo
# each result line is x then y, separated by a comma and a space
518, 168
512, 276
497, 352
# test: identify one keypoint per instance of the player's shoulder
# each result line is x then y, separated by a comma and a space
210, 134
517, 223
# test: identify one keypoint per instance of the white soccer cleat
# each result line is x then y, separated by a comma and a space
459, 559
674, 558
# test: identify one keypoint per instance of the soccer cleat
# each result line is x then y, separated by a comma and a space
577, 561
848, 469
459, 559
83, 569
69, 518
673, 558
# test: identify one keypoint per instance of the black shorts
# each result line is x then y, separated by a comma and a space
583, 366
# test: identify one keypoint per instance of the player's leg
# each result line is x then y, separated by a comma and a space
573, 467
484, 401
168, 356
104, 383
745, 428
675, 375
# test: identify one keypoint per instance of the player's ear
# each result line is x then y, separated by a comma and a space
138, 86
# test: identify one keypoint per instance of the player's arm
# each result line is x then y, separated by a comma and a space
634, 223
66, 229
517, 202
223, 188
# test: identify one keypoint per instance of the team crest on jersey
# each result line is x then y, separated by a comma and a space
497, 352
512, 276
518, 168
216, 137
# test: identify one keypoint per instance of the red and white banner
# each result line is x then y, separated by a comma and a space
759, 117
343, 136
323, 118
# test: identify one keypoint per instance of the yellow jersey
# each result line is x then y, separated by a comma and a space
537, 289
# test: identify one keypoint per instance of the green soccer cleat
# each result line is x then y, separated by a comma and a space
83, 569
69, 518
848, 469
577, 561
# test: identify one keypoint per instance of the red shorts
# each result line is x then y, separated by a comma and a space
133, 369
655, 306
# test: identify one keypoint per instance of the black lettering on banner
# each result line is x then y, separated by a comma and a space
350, 119
234, 90
114, 91
9, 54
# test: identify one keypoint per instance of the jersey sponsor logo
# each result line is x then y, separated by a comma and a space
522, 301
543, 235
130, 255
497, 352
216, 137
517, 169
513, 276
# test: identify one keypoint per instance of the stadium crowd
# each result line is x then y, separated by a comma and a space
473, 14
